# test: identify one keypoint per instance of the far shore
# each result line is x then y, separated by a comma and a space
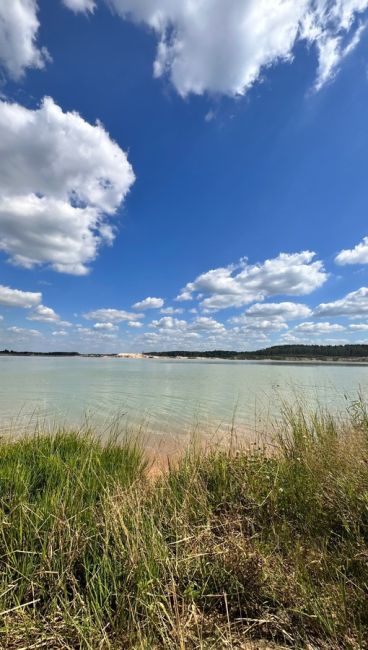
275, 361
332, 361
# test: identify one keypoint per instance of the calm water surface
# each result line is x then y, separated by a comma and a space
166, 396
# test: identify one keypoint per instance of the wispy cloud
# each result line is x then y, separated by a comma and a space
254, 36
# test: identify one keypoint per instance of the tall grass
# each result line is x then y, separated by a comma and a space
225, 547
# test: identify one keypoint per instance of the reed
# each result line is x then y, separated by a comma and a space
225, 548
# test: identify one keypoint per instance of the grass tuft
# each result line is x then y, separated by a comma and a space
225, 548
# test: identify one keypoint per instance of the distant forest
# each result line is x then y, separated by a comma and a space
38, 354
277, 352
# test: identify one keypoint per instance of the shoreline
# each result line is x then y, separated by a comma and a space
275, 360
344, 361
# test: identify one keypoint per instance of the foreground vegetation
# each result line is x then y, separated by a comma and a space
225, 547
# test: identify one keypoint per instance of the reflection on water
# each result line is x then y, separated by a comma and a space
166, 396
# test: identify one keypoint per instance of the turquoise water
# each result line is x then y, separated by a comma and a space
166, 396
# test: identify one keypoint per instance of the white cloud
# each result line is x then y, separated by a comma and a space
303, 338
171, 339
95, 334
254, 324
318, 328
331, 53
210, 45
286, 310
62, 333
36, 230
332, 29
135, 324
18, 35
204, 333
45, 314
358, 327
16, 298
61, 179
111, 315
23, 332
80, 5
105, 326
169, 323
356, 255
205, 324
176, 333
225, 47
149, 303
353, 305
184, 295
234, 286
170, 311
199, 324
210, 116
203, 336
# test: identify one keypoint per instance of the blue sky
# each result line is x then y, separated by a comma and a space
194, 179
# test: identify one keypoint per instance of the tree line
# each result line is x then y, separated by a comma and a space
347, 351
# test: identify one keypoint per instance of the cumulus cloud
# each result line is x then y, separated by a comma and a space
208, 46
286, 310
80, 5
169, 323
170, 332
169, 311
111, 315
45, 314
358, 327
135, 324
205, 324
304, 338
318, 328
109, 327
202, 323
204, 334
258, 324
353, 305
149, 303
17, 298
171, 338
18, 37
93, 334
61, 179
184, 296
225, 47
23, 332
356, 255
234, 286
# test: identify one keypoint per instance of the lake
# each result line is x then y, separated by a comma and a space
166, 396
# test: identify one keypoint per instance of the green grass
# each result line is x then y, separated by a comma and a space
226, 547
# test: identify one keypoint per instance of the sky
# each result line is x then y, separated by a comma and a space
180, 174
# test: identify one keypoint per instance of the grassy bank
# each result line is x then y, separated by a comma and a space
224, 548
